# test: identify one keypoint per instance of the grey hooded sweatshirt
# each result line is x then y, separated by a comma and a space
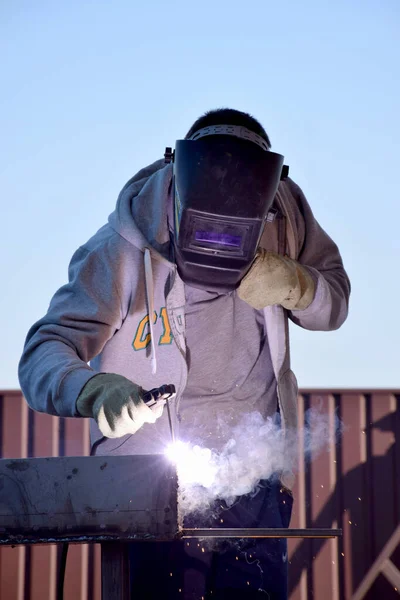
123, 308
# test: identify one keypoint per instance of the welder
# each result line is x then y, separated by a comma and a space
191, 283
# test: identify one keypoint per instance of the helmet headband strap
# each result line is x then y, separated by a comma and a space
235, 130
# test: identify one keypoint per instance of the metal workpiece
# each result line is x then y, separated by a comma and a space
216, 532
100, 499
243, 532
109, 500
87, 499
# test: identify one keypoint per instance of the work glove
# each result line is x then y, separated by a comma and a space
116, 404
276, 279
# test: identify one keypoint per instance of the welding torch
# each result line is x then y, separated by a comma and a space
164, 394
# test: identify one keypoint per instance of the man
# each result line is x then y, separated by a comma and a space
192, 282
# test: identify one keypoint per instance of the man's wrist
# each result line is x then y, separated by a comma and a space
87, 396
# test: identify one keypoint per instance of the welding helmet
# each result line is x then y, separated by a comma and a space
224, 183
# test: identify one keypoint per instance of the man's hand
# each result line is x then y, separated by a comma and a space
275, 279
116, 405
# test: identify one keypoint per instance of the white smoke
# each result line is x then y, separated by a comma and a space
257, 449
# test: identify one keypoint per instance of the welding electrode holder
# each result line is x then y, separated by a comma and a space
164, 392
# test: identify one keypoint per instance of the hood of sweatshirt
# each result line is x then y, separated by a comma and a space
143, 214
143, 217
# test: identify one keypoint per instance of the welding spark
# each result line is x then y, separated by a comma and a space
195, 465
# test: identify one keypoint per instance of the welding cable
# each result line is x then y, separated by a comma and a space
61, 571
97, 443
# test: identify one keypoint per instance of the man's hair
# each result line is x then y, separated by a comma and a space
228, 116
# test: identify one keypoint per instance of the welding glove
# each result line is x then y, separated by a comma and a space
276, 279
116, 404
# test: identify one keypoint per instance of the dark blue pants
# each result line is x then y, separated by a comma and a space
215, 570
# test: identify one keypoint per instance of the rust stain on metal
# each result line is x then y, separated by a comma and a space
18, 466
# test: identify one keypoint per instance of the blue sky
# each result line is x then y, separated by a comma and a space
92, 91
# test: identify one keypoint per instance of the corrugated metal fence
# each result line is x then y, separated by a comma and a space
355, 486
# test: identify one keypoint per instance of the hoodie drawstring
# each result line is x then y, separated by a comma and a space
148, 273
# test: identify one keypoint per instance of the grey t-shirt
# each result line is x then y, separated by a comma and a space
230, 369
